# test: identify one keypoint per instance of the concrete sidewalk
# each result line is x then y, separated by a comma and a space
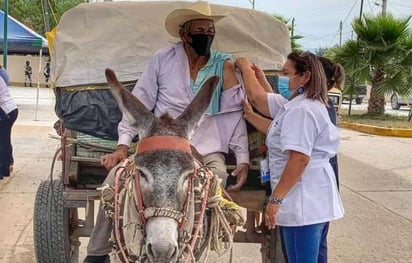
376, 187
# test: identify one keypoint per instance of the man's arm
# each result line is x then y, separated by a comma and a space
238, 142
229, 76
146, 91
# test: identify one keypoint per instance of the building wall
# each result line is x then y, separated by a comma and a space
15, 68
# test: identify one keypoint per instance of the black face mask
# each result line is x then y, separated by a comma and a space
201, 43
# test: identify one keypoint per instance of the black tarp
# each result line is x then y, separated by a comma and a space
90, 111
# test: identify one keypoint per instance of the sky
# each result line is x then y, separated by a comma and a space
318, 20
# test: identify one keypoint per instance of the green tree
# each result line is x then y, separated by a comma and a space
321, 51
30, 12
296, 47
382, 56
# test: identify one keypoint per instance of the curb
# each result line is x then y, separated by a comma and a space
407, 133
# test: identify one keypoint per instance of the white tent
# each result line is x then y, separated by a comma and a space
124, 35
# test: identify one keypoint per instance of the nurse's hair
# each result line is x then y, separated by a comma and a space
335, 73
315, 88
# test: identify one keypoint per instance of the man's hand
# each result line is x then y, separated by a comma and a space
240, 172
111, 160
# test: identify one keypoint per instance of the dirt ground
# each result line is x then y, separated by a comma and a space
376, 188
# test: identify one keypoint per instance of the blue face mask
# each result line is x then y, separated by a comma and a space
283, 87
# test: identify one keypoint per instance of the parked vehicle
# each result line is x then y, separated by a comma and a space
358, 96
398, 101
335, 95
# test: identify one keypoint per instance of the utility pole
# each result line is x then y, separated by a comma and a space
5, 41
384, 5
292, 31
356, 62
340, 33
46, 16
253, 3
361, 10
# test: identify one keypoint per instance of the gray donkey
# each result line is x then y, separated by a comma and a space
163, 174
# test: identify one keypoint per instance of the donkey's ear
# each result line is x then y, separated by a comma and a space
132, 108
191, 116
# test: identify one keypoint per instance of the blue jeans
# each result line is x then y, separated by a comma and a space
6, 150
302, 242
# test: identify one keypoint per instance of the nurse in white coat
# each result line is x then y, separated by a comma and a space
300, 140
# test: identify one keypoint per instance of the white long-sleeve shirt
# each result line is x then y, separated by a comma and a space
165, 87
7, 103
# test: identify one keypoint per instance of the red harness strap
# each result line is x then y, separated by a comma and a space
164, 143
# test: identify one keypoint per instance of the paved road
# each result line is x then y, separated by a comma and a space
376, 187
403, 111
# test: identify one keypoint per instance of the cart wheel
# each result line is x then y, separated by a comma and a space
51, 225
272, 249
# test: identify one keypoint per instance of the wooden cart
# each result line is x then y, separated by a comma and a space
85, 44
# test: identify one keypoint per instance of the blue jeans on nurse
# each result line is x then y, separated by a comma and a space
6, 149
302, 243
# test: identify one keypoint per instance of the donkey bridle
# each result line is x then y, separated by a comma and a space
152, 144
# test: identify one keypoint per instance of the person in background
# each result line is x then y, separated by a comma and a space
8, 115
335, 77
46, 73
27, 73
300, 139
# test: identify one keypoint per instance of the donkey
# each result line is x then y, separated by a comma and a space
163, 169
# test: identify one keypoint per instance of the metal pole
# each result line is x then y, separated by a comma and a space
357, 40
5, 41
361, 10
46, 16
292, 32
38, 84
384, 5
253, 3
340, 33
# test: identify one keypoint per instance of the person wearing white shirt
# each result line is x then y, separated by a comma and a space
8, 115
300, 139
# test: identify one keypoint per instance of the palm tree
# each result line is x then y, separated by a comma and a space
382, 55
293, 37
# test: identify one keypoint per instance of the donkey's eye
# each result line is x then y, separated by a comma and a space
142, 174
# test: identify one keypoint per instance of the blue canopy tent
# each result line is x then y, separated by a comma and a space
20, 38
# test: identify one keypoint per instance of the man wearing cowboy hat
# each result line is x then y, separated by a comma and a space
169, 83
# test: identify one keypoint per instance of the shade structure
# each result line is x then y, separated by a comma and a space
21, 39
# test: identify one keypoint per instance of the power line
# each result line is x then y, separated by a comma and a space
403, 5
350, 11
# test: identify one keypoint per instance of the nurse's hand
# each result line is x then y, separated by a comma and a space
270, 215
247, 109
242, 63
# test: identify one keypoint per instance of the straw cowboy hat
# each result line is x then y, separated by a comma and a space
199, 10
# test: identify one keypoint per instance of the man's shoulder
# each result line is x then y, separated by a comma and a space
221, 57
164, 51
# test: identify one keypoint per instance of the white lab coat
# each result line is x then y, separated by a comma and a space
303, 125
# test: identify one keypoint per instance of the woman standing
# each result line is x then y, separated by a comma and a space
300, 140
8, 115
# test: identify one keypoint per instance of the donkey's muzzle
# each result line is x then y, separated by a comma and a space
160, 253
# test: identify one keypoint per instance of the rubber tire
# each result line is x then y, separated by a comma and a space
394, 102
358, 101
51, 224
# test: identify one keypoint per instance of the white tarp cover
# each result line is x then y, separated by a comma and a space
124, 35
